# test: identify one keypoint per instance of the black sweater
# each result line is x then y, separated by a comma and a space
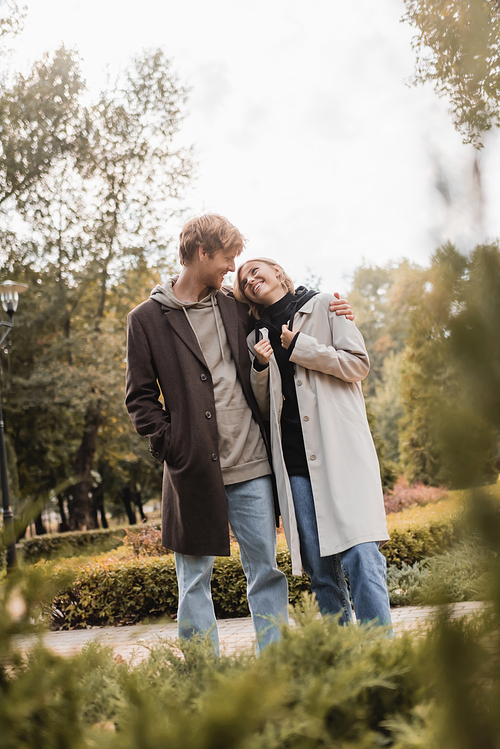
273, 318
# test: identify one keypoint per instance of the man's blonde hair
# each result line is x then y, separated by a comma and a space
213, 233
283, 278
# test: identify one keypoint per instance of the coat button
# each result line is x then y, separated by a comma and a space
306, 418
208, 414
299, 382
214, 456
157, 455
313, 457
203, 377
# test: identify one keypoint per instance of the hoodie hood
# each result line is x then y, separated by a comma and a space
164, 294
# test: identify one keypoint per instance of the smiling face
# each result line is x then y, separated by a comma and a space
213, 268
260, 282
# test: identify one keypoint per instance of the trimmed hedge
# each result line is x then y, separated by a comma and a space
116, 591
74, 543
414, 544
124, 591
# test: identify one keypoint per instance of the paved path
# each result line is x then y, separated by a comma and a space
235, 635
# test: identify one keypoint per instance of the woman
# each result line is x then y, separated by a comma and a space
308, 364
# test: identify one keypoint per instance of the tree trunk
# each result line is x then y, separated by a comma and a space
63, 525
104, 519
127, 503
82, 505
138, 504
98, 502
40, 528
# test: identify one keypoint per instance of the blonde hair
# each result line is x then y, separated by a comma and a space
211, 231
283, 278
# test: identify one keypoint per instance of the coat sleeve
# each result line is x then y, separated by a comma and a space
142, 397
259, 382
344, 357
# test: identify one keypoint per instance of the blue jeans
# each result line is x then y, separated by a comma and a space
251, 516
363, 565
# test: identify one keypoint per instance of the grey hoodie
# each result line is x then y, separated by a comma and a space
242, 451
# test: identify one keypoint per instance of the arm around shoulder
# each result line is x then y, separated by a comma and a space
344, 356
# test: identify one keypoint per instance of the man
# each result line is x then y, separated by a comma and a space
187, 344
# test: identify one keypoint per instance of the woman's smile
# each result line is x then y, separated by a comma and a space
254, 289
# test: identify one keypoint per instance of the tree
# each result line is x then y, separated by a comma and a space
450, 429
458, 51
127, 153
11, 18
383, 297
39, 116
386, 404
99, 217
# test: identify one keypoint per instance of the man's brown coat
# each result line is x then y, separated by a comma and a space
164, 356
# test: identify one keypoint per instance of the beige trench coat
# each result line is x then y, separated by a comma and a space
330, 361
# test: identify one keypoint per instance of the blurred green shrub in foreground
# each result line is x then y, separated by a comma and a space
321, 684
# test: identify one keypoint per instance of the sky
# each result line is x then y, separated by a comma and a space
306, 132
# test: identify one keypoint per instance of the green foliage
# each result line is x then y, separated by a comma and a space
322, 684
457, 51
117, 591
463, 573
72, 543
388, 472
386, 405
382, 298
38, 118
93, 183
412, 545
23, 595
464, 657
450, 429
40, 707
124, 591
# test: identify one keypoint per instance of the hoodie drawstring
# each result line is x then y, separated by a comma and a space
216, 325
218, 330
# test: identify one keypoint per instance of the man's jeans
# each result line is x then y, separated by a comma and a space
363, 565
251, 516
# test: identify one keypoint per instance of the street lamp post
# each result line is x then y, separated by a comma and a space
9, 296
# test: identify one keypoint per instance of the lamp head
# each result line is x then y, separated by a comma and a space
9, 295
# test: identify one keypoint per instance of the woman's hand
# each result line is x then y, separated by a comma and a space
263, 351
287, 336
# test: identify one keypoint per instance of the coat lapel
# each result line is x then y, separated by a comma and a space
177, 320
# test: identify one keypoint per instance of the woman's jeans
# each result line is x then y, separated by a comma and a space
251, 516
363, 565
